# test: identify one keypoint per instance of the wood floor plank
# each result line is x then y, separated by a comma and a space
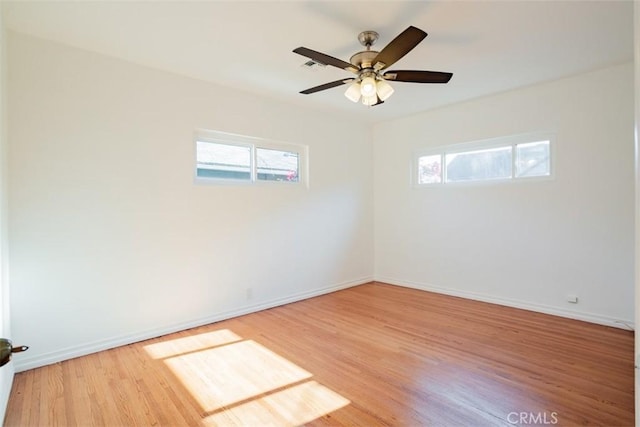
375, 355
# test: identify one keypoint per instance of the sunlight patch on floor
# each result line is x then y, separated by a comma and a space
290, 407
232, 373
240, 382
190, 344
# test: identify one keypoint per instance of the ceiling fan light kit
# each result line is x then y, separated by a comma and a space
368, 86
369, 66
370, 101
385, 90
371, 90
353, 92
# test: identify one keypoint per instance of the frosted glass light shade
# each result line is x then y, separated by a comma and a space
384, 90
370, 100
353, 92
368, 86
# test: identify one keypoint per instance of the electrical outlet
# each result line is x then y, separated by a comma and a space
249, 293
573, 299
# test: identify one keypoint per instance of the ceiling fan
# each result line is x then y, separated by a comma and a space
370, 67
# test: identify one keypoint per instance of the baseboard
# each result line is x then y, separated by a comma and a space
25, 363
540, 308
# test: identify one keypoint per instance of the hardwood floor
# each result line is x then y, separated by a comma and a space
370, 355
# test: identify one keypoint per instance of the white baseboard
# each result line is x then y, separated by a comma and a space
25, 363
540, 308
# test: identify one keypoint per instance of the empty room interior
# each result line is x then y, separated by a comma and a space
317, 213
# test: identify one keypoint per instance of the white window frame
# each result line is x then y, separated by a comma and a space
505, 141
253, 143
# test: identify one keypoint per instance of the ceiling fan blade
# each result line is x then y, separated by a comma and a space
398, 47
414, 76
325, 59
326, 86
380, 101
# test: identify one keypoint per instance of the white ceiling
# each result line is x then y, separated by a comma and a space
490, 46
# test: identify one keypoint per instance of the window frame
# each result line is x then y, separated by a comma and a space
512, 141
253, 143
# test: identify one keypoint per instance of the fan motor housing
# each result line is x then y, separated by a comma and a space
363, 59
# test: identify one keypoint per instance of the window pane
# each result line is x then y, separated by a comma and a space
215, 160
276, 165
532, 159
494, 163
430, 169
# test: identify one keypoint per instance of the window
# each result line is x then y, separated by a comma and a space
500, 159
492, 163
277, 165
532, 159
217, 160
224, 157
430, 169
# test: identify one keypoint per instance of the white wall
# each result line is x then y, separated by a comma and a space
526, 244
6, 372
112, 242
110, 239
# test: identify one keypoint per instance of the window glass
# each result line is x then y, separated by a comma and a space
493, 163
430, 169
276, 165
226, 161
532, 159
225, 158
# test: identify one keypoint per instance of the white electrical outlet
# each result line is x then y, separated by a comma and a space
249, 293
573, 299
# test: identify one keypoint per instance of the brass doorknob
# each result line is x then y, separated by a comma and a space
6, 348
